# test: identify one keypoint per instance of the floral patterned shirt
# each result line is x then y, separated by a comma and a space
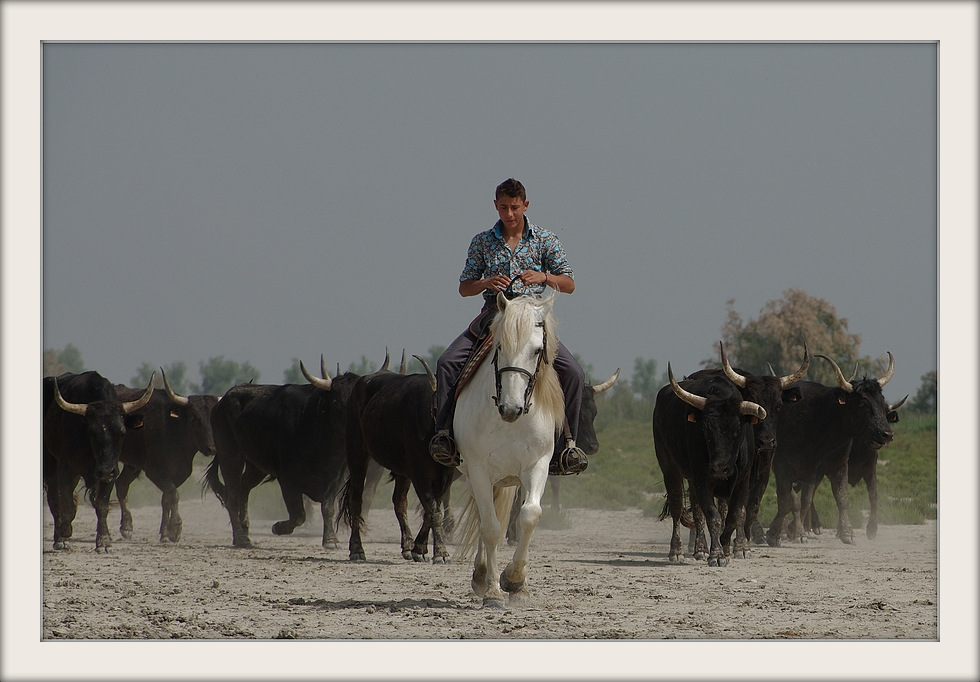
538, 249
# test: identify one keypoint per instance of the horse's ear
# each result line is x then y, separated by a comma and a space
501, 301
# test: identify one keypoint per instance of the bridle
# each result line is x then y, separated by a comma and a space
532, 378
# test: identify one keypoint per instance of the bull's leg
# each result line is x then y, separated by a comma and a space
171, 524
292, 497
399, 502
64, 507
100, 500
713, 518
757, 489
123, 481
700, 551
329, 539
554, 482
784, 502
432, 520
797, 530
674, 484
871, 481
838, 484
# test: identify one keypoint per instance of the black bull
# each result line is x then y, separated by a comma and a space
390, 421
84, 425
701, 435
175, 428
771, 392
292, 433
816, 438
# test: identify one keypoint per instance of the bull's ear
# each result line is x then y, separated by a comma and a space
692, 416
173, 414
751, 419
792, 394
892, 417
133, 422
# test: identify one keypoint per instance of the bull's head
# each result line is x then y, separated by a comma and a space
867, 411
106, 423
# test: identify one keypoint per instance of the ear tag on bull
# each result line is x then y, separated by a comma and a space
841, 400
691, 417
753, 419
173, 413
138, 425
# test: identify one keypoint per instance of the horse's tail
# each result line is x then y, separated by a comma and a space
468, 526
212, 481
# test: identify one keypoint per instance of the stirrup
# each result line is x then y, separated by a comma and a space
571, 460
442, 448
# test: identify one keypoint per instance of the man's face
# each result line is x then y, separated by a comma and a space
511, 211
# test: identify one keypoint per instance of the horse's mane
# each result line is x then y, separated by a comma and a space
511, 328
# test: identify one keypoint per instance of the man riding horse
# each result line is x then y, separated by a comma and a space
518, 258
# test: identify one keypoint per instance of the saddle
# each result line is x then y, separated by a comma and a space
479, 327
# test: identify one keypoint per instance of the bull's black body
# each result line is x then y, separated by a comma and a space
164, 449
710, 449
292, 433
767, 391
862, 465
816, 437
82, 447
389, 420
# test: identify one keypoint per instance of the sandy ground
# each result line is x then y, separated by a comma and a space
605, 577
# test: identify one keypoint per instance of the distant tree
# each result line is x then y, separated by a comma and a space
926, 400
431, 358
218, 375
365, 366
176, 376
68, 359
293, 375
646, 382
776, 338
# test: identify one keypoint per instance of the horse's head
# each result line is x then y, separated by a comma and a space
524, 348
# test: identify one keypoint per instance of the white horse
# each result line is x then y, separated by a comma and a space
505, 424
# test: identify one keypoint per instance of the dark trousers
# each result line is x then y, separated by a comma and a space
571, 376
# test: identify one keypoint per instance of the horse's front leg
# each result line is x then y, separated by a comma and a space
484, 581
513, 577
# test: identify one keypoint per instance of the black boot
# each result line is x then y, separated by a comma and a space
442, 448
571, 460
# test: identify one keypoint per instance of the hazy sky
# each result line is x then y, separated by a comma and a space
269, 201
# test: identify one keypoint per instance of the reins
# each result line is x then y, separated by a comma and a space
532, 378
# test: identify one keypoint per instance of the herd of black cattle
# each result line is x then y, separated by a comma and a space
331, 439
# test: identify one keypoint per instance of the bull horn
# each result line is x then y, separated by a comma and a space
888, 372
734, 376
133, 405
747, 407
323, 368
323, 384
384, 365
790, 379
338, 369
428, 372
74, 408
900, 403
689, 398
607, 384
841, 381
175, 397
404, 367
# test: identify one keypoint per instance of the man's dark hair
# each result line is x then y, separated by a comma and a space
511, 188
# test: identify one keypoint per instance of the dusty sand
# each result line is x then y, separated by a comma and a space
606, 577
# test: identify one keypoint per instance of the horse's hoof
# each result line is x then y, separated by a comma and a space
407, 555
243, 544
508, 586
493, 603
441, 559
126, 534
